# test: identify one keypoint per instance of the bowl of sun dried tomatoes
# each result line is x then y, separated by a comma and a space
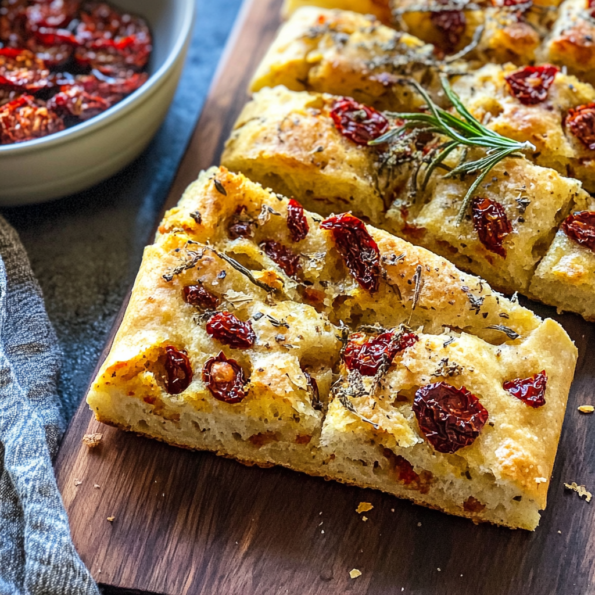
84, 86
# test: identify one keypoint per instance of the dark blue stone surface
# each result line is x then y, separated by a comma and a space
86, 249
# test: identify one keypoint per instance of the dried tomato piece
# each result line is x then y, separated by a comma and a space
25, 119
357, 247
178, 371
451, 24
225, 379
197, 295
296, 221
581, 122
580, 227
241, 225
12, 22
591, 8
531, 84
358, 122
530, 391
20, 69
230, 330
51, 14
366, 355
491, 223
111, 41
405, 472
284, 257
87, 95
450, 418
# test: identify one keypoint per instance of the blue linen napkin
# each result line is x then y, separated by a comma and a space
36, 552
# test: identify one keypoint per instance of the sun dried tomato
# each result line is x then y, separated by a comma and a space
591, 8
357, 122
111, 41
524, 4
25, 119
87, 95
366, 355
178, 371
491, 223
51, 14
197, 295
531, 84
529, 390
296, 221
20, 69
225, 379
230, 330
313, 386
404, 469
581, 122
241, 225
357, 247
451, 24
580, 227
284, 257
450, 418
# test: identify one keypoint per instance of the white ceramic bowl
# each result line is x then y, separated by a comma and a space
79, 157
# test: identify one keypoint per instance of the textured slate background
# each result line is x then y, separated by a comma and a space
86, 249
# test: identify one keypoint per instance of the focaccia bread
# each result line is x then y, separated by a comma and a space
539, 111
571, 43
346, 53
256, 331
565, 277
290, 142
381, 9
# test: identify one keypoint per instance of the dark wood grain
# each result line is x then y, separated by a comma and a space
191, 523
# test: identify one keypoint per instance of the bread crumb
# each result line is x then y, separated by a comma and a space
96, 486
541, 480
364, 518
580, 490
322, 531
92, 440
77, 482
439, 570
364, 507
419, 524
111, 519
355, 573
560, 532
392, 510
586, 408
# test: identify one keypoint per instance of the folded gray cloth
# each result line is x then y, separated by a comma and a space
36, 552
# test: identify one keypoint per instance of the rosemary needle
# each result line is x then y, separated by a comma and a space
463, 130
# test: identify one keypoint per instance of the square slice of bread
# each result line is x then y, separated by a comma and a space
465, 335
288, 141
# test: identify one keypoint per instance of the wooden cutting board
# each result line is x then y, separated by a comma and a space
192, 523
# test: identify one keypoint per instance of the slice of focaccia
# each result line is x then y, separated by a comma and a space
346, 53
381, 9
565, 277
571, 43
290, 142
260, 332
534, 104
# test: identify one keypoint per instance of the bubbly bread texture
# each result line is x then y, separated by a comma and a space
354, 428
346, 53
288, 141
489, 98
571, 43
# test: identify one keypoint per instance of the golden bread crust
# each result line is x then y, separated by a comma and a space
277, 422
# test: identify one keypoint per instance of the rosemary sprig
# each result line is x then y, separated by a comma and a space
463, 130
